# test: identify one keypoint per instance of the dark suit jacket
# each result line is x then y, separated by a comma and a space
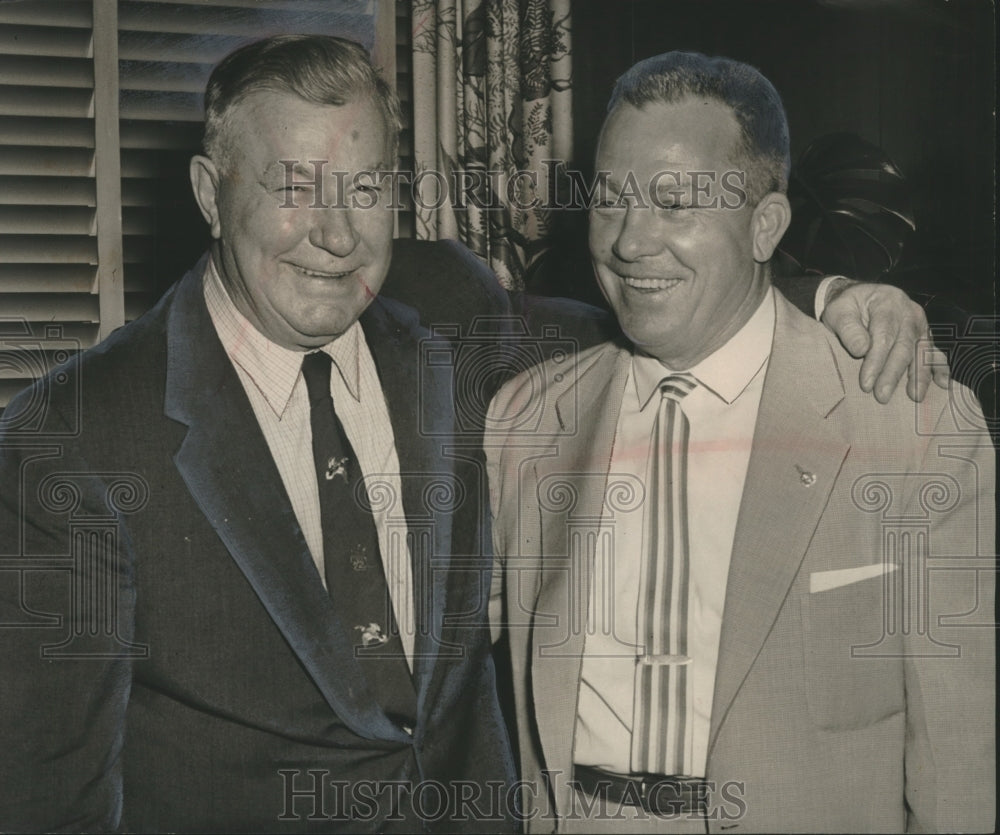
171, 661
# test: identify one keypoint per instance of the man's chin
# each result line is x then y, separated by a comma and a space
317, 338
652, 342
328, 322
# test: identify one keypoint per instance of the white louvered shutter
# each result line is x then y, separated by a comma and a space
100, 111
48, 235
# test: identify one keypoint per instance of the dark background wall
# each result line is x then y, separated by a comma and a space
915, 77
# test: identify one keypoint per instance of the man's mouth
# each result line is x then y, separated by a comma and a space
321, 273
651, 283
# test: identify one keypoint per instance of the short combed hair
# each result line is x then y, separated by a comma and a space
763, 150
321, 69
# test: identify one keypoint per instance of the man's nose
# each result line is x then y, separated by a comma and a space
640, 233
333, 230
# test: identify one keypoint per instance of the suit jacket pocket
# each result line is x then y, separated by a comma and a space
853, 668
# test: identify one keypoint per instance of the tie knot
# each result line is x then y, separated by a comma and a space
677, 386
316, 372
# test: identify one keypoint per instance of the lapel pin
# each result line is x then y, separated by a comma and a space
336, 467
371, 635
806, 477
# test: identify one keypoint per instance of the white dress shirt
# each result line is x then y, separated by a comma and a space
271, 376
722, 412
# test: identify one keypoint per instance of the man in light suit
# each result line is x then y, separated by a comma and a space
740, 594
171, 658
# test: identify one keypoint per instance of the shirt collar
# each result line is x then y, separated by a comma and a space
728, 371
273, 369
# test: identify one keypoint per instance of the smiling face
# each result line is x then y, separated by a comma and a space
683, 269
300, 273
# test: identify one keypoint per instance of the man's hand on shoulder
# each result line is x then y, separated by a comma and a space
882, 324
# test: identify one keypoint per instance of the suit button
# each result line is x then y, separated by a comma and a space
408, 729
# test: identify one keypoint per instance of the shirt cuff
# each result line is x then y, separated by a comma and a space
819, 302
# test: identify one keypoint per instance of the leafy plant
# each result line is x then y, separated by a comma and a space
852, 210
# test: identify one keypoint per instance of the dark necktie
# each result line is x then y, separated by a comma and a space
355, 577
662, 721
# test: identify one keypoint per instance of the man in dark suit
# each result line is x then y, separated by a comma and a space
184, 636
172, 660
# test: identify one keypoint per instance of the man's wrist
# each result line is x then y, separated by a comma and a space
828, 290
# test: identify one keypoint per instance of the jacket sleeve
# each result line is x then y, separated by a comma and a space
950, 752
66, 628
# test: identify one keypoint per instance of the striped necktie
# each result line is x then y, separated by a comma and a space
662, 709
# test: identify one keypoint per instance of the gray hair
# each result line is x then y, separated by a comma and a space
321, 69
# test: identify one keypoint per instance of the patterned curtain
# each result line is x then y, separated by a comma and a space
492, 103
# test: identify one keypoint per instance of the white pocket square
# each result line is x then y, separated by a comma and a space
826, 580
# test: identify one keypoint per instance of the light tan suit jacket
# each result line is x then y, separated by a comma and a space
855, 682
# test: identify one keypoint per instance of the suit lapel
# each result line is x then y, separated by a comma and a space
570, 488
227, 466
798, 449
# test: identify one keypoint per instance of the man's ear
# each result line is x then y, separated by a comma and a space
770, 220
205, 185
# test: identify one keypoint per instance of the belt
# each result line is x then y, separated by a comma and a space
657, 794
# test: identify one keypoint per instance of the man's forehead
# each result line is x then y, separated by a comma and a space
309, 169
683, 117
265, 107
669, 135
287, 172
279, 132
270, 94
